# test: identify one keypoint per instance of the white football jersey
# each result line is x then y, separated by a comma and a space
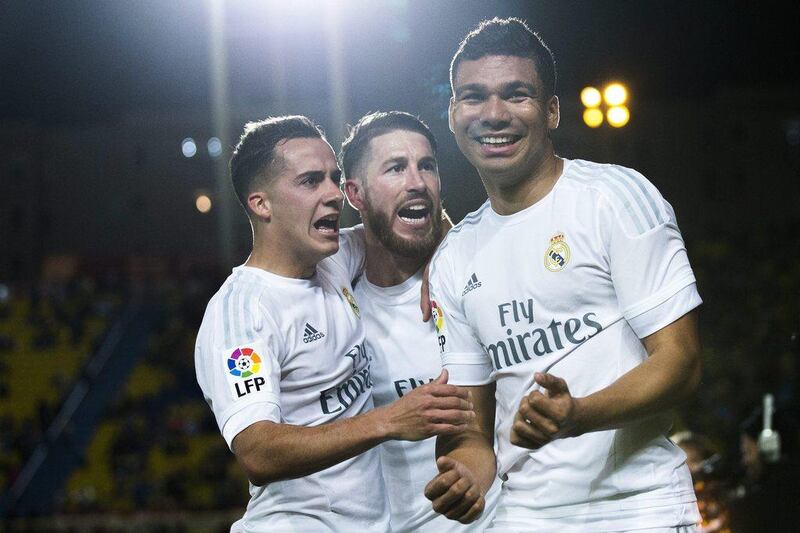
405, 354
291, 351
569, 286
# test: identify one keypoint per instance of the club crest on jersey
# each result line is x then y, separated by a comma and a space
557, 255
352, 301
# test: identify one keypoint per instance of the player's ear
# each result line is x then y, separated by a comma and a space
450, 109
553, 113
260, 205
354, 190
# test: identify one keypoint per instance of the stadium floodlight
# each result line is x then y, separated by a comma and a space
593, 117
590, 97
618, 116
203, 203
615, 94
188, 147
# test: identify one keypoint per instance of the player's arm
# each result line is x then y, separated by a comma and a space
270, 451
669, 376
466, 463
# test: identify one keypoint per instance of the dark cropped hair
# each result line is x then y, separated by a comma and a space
256, 148
373, 125
507, 37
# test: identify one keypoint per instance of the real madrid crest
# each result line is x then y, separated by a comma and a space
351, 301
557, 255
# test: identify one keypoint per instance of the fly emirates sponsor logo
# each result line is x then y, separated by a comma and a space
529, 342
342, 396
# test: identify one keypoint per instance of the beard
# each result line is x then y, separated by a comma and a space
420, 248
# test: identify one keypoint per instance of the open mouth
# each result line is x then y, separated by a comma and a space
415, 214
328, 224
498, 140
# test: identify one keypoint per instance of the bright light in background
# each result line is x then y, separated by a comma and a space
615, 94
618, 116
188, 147
203, 203
590, 97
214, 147
593, 117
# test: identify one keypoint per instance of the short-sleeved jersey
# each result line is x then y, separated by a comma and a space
405, 354
291, 351
569, 286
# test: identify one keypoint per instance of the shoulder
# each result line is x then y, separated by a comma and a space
463, 235
635, 201
236, 306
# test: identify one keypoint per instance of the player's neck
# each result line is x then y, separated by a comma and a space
280, 261
386, 269
523, 193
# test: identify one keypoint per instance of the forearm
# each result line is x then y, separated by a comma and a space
274, 452
668, 377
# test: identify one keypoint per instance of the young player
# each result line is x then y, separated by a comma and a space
571, 290
389, 161
280, 353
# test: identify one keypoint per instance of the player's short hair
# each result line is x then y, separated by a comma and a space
507, 37
256, 149
354, 148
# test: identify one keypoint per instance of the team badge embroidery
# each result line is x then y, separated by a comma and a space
437, 315
557, 255
352, 301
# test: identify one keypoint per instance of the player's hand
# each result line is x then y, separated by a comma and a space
543, 418
455, 492
435, 408
425, 294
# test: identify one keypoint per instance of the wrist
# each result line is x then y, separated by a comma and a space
379, 425
580, 418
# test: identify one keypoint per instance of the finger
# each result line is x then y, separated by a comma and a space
454, 417
464, 504
441, 483
523, 435
440, 390
453, 497
546, 425
553, 384
445, 464
442, 379
474, 512
449, 402
425, 296
445, 429
546, 407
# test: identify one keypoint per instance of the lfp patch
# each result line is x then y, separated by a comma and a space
437, 315
244, 362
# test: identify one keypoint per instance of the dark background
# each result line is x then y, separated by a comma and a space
97, 96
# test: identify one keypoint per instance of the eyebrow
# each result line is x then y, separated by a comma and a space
510, 86
395, 160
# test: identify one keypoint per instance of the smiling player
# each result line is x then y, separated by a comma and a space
571, 291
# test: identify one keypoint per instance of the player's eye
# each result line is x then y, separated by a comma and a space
429, 166
399, 167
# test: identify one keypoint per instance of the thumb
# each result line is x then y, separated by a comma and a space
444, 463
442, 379
553, 384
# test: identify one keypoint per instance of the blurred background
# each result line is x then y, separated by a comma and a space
117, 222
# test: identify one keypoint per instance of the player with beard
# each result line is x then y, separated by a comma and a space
392, 178
280, 354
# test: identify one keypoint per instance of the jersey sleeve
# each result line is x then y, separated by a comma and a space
352, 251
650, 269
466, 361
236, 358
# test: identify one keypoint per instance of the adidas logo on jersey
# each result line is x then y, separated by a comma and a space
472, 284
310, 334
